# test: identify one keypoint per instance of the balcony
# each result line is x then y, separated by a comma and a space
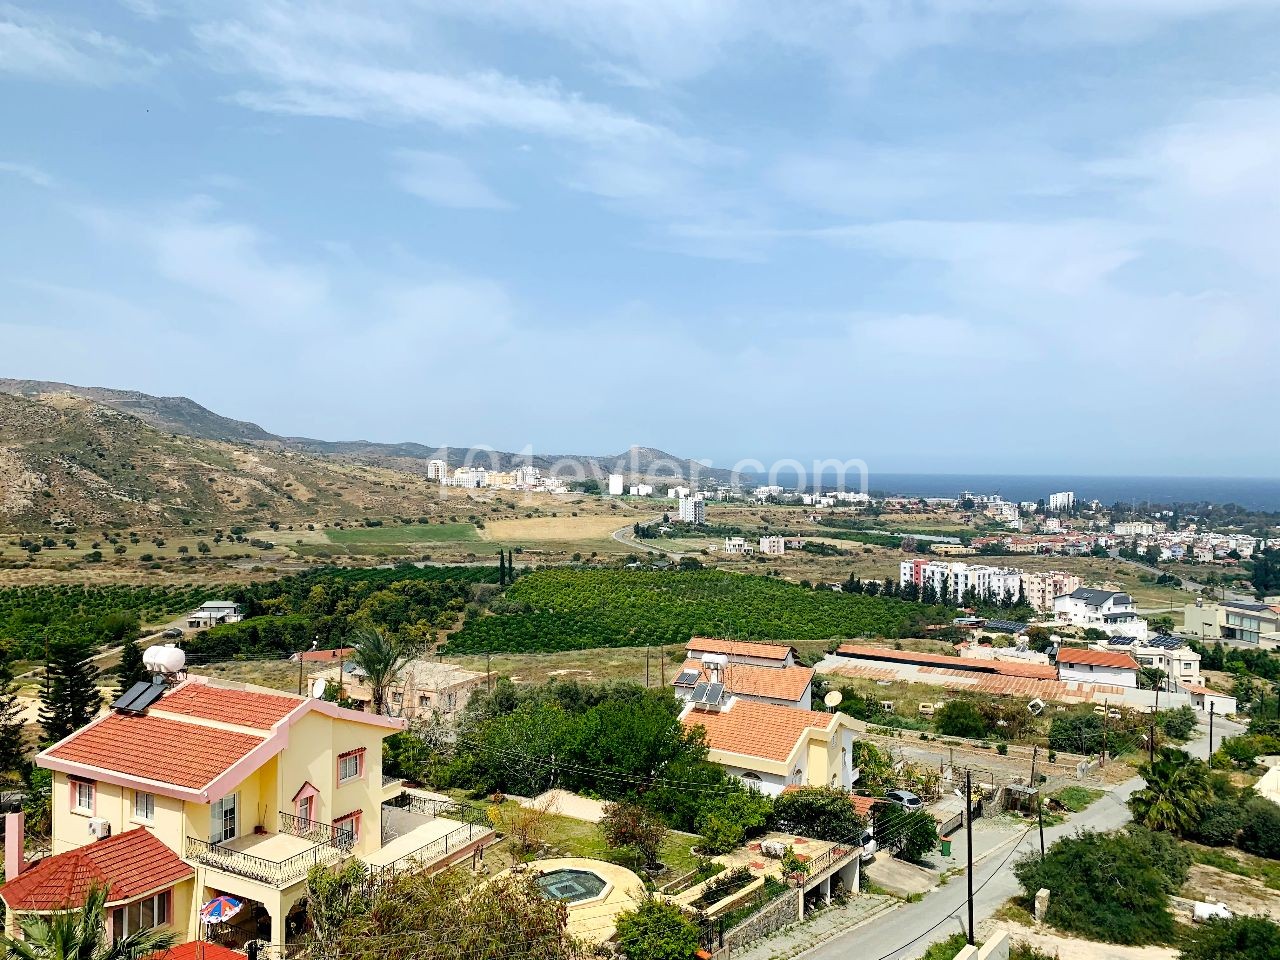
277, 859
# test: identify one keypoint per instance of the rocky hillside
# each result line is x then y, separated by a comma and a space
186, 418
75, 461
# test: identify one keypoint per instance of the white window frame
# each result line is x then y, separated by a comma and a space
218, 818
159, 905
356, 758
90, 791
144, 806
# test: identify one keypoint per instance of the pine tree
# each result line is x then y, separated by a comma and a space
131, 669
13, 754
70, 698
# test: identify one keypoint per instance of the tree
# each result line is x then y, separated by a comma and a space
657, 930
1076, 733
960, 718
381, 657
130, 669
631, 825
1176, 793
822, 813
1240, 938
13, 750
1102, 889
81, 934
910, 835
1260, 834
413, 915
70, 698
729, 818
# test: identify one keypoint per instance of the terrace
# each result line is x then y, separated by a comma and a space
277, 859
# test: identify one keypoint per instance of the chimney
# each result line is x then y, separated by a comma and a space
15, 844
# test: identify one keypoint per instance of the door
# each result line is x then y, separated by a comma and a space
223, 819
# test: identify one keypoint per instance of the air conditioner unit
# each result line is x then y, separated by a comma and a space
99, 828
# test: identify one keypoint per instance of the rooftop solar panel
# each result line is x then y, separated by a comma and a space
700, 692
687, 678
714, 692
138, 697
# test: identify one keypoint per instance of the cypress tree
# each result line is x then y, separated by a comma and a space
131, 668
13, 753
70, 698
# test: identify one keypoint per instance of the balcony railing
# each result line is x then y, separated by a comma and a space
436, 849
316, 831
280, 873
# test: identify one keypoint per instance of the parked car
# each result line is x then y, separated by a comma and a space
173, 633
869, 847
905, 799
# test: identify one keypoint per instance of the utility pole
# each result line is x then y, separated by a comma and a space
1106, 715
968, 834
488, 674
1211, 711
1151, 743
302, 661
1035, 749
662, 664
646, 665
1040, 817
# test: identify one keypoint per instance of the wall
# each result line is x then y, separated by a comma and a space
1089, 673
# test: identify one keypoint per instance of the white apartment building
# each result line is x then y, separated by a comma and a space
960, 578
640, 490
1096, 666
1062, 501
693, 510
1106, 610
1042, 588
437, 470
677, 493
1134, 528
615, 485
736, 545
1179, 662
773, 546
769, 490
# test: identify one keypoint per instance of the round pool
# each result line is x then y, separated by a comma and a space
571, 886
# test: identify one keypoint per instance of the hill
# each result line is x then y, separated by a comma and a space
73, 461
184, 417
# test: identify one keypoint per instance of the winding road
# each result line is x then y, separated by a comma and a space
906, 932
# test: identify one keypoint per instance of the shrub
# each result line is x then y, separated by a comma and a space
1240, 938
1219, 823
960, 718
1076, 733
1260, 834
1103, 889
946, 949
1178, 724
822, 813
656, 930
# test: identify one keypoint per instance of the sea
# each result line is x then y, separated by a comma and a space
1252, 493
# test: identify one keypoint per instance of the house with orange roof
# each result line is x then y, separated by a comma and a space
770, 747
742, 651
785, 686
208, 788
1097, 666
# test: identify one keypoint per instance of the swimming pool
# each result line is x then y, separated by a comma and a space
571, 886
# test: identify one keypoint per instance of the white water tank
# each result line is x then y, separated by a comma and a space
164, 658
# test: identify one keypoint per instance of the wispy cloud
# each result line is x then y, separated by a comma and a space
43, 48
444, 180
28, 172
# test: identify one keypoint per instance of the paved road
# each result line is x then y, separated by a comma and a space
944, 912
626, 536
1191, 586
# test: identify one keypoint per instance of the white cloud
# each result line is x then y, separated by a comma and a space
444, 180
42, 48
28, 172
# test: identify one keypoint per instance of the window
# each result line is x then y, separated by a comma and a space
82, 796
142, 914
222, 819
144, 806
424, 702
305, 808
397, 697
350, 765
348, 827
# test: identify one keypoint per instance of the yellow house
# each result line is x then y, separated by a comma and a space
771, 747
213, 789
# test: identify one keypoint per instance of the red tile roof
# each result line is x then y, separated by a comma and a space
740, 648
314, 656
783, 683
128, 865
157, 748
1004, 668
1097, 658
765, 730
196, 950
244, 708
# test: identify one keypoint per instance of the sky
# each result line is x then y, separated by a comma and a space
1020, 236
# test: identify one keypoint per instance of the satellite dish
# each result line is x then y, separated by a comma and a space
318, 686
833, 698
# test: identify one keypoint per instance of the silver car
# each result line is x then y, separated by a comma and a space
905, 799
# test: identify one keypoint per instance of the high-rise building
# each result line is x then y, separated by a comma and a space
693, 509
615, 484
1062, 501
437, 470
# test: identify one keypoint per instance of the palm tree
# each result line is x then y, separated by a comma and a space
80, 934
1176, 793
380, 657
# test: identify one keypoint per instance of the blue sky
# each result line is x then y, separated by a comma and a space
938, 235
